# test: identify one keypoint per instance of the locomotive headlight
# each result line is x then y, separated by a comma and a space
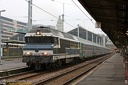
38, 33
28, 53
45, 53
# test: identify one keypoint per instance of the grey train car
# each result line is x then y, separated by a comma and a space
50, 48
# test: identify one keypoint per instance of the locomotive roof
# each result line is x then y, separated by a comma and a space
47, 30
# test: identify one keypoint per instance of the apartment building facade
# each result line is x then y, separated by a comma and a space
10, 27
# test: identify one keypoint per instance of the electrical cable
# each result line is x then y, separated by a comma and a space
50, 14
87, 16
82, 11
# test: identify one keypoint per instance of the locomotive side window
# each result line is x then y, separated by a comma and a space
56, 41
47, 40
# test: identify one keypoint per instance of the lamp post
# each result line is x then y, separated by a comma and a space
0, 34
29, 15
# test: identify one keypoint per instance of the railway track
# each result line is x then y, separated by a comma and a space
57, 77
70, 76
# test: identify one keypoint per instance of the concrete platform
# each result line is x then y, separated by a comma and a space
9, 64
111, 72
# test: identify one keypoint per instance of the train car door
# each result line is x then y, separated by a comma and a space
81, 49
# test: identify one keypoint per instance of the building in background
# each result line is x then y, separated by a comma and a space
10, 26
100, 39
85, 34
12, 33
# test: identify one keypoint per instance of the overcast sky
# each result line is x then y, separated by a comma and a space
18, 10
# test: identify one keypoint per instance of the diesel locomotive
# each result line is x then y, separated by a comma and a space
50, 48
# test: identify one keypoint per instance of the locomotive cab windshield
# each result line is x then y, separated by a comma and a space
45, 42
39, 40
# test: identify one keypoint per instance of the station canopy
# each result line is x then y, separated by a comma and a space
113, 16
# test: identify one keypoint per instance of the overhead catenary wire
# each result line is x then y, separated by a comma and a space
42, 9
82, 11
49, 13
86, 15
